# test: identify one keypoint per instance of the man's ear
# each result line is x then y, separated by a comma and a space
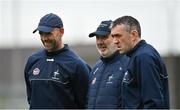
61, 30
134, 35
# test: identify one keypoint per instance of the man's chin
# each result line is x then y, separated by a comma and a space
121, 52
48, 49
103, 54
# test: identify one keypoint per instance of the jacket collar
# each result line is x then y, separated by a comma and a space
110, 58
131, 52
65, 48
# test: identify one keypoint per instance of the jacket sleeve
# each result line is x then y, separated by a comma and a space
150, 83
28, 88
80, 83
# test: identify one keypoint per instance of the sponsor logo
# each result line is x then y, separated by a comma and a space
50, 59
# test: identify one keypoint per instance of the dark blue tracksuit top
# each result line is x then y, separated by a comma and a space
105, 86
56, 80
145, 84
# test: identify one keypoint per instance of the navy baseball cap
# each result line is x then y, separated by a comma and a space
48, 22
104, 29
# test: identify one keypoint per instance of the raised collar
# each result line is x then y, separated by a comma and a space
130, 53
65, 48
110, 58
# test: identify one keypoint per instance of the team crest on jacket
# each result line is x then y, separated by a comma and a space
127, 78
110, 79
36, 71
56, 73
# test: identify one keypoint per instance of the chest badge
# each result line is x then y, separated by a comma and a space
36, 71
127, 78
56, 73
110, 79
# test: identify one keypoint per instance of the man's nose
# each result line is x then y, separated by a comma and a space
115, 40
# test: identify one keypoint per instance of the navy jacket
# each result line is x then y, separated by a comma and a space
56, 80
145, 84
105, 86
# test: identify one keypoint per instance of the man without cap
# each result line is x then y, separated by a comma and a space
145, 84
105, 85
55, 76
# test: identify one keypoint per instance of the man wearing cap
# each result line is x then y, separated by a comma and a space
55, 76
105, 85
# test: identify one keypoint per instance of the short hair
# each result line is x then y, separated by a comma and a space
130, 23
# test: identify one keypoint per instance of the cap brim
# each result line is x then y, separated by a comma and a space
43, 29
99, 33
92, 34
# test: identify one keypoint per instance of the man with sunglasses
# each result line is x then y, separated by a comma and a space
55, 76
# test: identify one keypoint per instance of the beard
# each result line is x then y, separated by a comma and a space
108, 51
50, 45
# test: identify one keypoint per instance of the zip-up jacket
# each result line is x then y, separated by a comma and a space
56, 80
105, 85
145, 84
